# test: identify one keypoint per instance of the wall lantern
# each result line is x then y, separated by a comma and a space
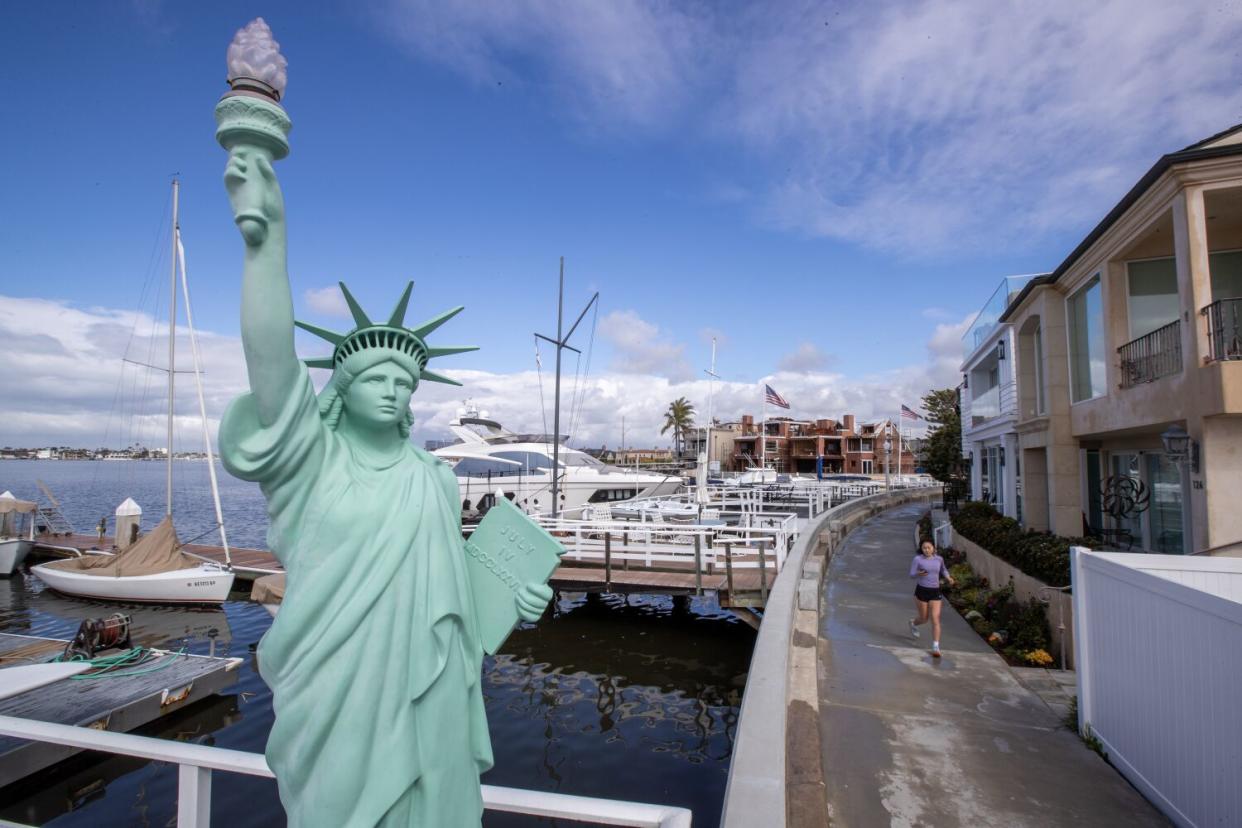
966, 381
1180, 447
1000, 349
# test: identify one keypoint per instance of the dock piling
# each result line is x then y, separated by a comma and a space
608, 562
698, 564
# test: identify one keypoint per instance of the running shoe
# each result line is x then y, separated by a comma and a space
914, 629
935, 651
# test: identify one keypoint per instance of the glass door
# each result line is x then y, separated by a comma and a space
1164, 516
1123, 501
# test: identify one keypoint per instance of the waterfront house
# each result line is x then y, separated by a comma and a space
845, 446
989, 403
1132, 344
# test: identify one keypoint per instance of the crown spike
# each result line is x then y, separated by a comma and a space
432, 376
360, 316
322, 333
397, 319
436, 321
320, 362
432, 353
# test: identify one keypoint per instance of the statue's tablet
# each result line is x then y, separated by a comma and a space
507, 551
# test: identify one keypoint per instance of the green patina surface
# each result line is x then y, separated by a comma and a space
374, 658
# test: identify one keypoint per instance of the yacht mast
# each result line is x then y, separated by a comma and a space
172, 340
561, 342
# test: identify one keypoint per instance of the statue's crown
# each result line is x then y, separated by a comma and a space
406, 343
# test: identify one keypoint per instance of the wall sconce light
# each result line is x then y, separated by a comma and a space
966, 381
1180, 447
1000, 349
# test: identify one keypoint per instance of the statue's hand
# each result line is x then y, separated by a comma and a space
532, 600
253, 192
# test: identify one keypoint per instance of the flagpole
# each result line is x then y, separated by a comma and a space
763, 433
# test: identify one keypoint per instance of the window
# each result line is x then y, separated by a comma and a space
529, 460
1085, 317
865, 445
1153, 299
866, 467
1226, 270
480, 467
609, 495
1039, 371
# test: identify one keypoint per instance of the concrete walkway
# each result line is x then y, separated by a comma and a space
910, 740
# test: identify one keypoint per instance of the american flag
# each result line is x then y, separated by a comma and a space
773, 398
907, 413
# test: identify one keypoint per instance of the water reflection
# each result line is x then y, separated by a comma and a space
629, 699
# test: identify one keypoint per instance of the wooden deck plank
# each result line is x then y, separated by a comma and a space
118, 703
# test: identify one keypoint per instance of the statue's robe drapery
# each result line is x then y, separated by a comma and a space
373, 660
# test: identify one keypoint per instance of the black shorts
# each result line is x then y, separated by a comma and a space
927, 593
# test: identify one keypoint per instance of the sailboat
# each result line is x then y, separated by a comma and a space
154, 569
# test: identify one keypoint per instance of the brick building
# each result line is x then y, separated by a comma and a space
793, 446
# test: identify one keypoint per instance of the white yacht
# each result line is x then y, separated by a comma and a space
487, 457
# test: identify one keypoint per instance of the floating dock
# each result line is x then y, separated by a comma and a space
120, 702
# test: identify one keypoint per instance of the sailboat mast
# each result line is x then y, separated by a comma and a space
172, 340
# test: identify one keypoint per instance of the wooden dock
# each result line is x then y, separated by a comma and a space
118, 703
629, 567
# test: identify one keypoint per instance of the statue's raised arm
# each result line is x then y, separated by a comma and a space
267, 303
254, 128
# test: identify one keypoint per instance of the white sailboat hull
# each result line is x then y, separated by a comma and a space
204, 584
12, 552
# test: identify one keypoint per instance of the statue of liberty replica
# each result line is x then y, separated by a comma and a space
374, 658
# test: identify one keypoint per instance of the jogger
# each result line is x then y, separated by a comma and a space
928, 567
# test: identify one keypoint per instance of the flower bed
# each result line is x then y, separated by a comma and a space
1015, 629
1039, 555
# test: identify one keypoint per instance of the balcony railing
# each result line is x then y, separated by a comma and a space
1224, 329
1152, 356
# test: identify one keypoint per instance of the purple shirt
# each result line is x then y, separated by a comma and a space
928, 570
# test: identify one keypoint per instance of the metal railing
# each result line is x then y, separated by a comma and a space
1224, 329
196, 762
1152, 356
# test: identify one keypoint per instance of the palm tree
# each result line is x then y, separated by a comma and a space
680, 418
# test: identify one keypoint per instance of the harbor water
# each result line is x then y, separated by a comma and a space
627, 699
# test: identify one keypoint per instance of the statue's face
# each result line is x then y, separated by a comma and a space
380, 395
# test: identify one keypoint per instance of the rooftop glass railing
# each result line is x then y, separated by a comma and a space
988, 318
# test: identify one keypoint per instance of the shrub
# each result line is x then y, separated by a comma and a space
1039, 555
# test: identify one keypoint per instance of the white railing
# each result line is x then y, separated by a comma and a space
1158, 643
196, 762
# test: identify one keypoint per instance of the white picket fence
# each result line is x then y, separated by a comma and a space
1159, 649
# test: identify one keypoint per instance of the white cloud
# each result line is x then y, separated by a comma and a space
639, 347
77, 392
805, 359
922, 127
328, 301
75, 389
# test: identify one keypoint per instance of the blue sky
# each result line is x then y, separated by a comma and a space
832, 191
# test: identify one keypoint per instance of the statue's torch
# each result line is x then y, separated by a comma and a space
250, 122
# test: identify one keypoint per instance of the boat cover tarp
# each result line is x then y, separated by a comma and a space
270, 589
12, 504
155, 552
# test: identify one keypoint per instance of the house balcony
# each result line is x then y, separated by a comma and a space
996, 401
1224, 329
1151, 356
